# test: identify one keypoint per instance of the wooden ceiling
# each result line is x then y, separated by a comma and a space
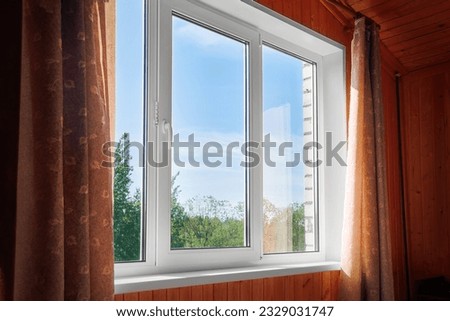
417, 32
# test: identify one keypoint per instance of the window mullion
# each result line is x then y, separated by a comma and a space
256, 135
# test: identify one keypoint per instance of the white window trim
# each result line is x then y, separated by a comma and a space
330, 59
175, 280
191, 259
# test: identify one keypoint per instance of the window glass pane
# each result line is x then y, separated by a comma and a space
288, 124
129, 153
208, 109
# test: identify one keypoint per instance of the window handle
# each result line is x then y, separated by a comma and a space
167, 129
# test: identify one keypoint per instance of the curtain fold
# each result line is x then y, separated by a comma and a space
366, 251
63, 237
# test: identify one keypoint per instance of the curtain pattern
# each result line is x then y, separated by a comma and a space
366, 251
64, 243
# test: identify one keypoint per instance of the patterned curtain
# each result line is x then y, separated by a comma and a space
366, 252
63, 247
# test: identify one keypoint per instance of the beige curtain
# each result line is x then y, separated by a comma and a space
366, 252
63, 220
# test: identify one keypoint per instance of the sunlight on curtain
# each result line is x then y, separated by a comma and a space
366, 250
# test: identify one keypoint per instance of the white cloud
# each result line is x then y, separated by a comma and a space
214, 42
200, 35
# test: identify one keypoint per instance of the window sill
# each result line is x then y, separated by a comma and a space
175, 280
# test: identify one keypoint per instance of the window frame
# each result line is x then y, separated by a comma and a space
294, 50
159, 258
191, 259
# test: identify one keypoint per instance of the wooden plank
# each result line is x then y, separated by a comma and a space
438, 256
365, 5
334, 285
315, 15
326, 286
420, 44
390, 63
173, 294
220, 291
396, 9
426, 59
277, 6
446, 224
343, 17
297, 12
387, 10
324, 17
266, 3
414, 175
427, 165
234, 291
407, 164
146, 296
306, 12
197, 293
416, 20
313, 286
420, 62
160, 295
426, 117
412, 34
269, 289
279, 288
306, 287
287, 10
269, 3
299, 293
289, 285
186, 293
418, 247
118, 297
246, 290
258, 290
131, 296
208, 292
317, 286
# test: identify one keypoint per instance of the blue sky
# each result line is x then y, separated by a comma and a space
208, 100
130, 77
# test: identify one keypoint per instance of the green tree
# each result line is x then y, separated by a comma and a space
205, 222
127, 207
178, 218
298, 227
228, 233
214, 223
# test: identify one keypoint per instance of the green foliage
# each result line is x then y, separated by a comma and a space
202, 222
127, 207
298, 227
205, 222
179, 218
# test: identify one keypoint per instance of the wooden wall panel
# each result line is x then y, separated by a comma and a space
425, 117
316, 286
416, 32
313, 286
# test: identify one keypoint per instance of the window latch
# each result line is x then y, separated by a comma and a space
156, 112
